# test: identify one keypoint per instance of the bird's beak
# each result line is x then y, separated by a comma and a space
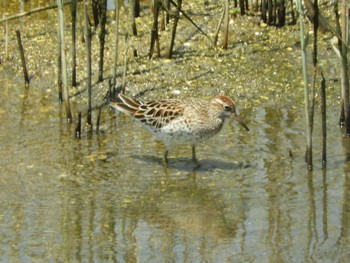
240, 121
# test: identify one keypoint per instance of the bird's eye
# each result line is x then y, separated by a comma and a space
227, 108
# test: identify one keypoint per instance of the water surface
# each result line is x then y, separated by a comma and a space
108, 198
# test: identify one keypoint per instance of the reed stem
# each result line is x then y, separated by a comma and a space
88, 67
23, 59
116, 44
308, 123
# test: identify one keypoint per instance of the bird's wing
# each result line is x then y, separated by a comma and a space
156, 114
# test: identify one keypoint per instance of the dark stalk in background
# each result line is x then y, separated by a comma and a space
342, 46
88, 61
133, 23
165, 19
281, 14
74, 51
264, 10
116, 44
98, 120
324, 120
314, 62
270, 12
173, 32
292, 12
344, 64
95, 5
23, 59
154, 32
59, 68
137, 8
241, 6
102, 36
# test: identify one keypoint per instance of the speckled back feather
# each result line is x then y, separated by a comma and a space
156, 114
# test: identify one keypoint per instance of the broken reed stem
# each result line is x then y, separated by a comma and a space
125, 62
116, 44
306, 89
98, 121
88, 59
23, 59
324, 120
64, 62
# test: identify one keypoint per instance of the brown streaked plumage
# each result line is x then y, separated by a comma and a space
180, 121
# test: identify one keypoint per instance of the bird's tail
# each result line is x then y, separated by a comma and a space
125, 104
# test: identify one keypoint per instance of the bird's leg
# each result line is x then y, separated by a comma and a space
194, 159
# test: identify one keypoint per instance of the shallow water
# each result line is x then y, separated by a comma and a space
108, 198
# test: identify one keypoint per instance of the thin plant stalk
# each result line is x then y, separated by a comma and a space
344, 65
6, 41
59, 68
173, 33
74, 50
306, 88
102, 36
324, 120
116, 43
88, 59
315, 63
64, 62
216, 36
342, 44
125, 63
23, 59
154, 31
133, 21
226, 24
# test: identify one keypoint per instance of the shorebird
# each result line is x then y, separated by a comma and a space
177, 121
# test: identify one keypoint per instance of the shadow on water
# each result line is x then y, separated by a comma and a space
186, 164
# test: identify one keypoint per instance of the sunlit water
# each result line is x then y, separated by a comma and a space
107, 197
